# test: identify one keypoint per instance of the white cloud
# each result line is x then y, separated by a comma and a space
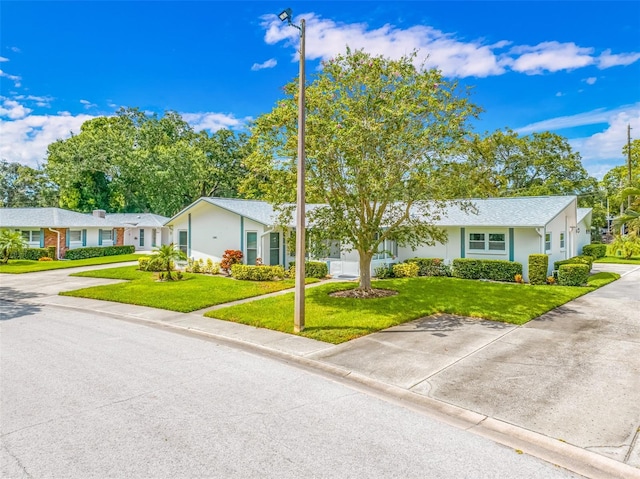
87, 104
607, 60
42, 101
594, 117
326, 38
13, 110
558, 94
14, 78
270, 63
3, 59
213, 121
455, 57
15, 49
25, 140
549, 56
590, 80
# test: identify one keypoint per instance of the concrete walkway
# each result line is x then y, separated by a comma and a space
564, 387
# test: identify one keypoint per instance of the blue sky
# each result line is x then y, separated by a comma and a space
568, 67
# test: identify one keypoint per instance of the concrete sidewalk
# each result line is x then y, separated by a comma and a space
564, 387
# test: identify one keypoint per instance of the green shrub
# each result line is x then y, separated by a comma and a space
51, 252
32, 254
595, 250
97, 251
573, 274
257, 273
492, 269
431, 266
312, 269
405, 270
583, 259
147, 263
384, 271
538, 266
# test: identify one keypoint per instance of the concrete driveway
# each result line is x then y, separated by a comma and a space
573, 374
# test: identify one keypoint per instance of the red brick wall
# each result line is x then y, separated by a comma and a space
51, 239
119, 236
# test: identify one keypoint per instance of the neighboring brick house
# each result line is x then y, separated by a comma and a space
64, 229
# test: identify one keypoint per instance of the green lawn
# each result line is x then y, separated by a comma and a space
619, 260
336, 320
195, 292
17, 266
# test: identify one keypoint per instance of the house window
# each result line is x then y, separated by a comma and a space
31, 236
387, 249
547, 242
107, 235
562, 241
182, 241
476, 241
274, 248
75, 236
252, 247
495, 242
334, 249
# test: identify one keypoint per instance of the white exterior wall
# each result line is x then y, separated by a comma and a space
447, 251
214, 230
526, 241
583, 236
564, 222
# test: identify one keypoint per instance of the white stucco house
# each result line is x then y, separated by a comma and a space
503, 228
64, 229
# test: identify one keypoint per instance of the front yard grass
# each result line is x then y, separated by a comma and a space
618, 260
335, 320
195, 291
18, 266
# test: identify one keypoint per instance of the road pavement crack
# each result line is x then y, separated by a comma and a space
634, 441
17, 459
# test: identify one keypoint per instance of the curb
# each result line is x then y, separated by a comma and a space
554, 451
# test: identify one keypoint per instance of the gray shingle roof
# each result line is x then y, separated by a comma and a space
526, 211
506, 212
61, 218
582, 213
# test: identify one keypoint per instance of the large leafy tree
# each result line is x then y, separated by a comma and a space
508, 164
10, 241
377, 134
134, 162
22, 186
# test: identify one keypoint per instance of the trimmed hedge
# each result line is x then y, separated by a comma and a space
538, 266
257, 273
492, 269
588, 260
384, 271
97, 251
405, 270
145, 263
312, 269
595, 250
32, 254
431, 266
573, 274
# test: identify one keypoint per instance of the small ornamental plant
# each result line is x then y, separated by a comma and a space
518, 278
259, 262
551, 280
45, 258
229, 258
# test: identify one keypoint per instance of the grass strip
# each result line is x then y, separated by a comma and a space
195, 291
19, 266
336, 320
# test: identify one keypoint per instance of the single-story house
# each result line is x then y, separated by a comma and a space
502, 228
64, 229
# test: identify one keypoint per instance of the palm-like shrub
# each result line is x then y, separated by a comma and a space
10, 241
164, 259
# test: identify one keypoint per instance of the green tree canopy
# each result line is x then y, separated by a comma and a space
24, 187
378, 132
134, 162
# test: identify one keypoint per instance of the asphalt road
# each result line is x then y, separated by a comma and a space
88, 396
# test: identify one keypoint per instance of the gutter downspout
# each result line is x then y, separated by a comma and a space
58, 247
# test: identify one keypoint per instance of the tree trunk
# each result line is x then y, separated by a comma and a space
365, 271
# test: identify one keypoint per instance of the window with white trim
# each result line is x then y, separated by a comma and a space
107, 235
562, 241
31, 236
547, 241
388, 249
75, 236
495, 242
